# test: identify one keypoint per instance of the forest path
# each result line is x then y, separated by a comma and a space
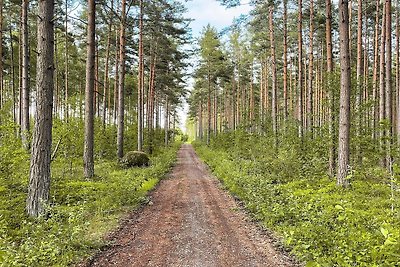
190, 221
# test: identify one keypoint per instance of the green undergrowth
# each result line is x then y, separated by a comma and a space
321, 224
81, 212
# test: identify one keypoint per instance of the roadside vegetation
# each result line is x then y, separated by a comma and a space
289, 191
80, 211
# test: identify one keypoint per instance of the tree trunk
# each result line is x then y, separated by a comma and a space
166, 122
25, 77
345, 85
121, 83
39, 177
115, 106
359, 77
66, 63
375, 72
152, 100
14, 99
106, 67
388, 93
329, 69
140, 82
274, 113
300, 67
285, 61
382, 96
310, 98
209, 105
89, 105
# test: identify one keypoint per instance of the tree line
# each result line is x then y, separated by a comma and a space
115, 63
314, 74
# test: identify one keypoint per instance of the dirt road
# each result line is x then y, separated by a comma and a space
190, 221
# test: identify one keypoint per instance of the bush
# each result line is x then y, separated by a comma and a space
135, 159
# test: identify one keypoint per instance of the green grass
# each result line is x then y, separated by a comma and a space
81, 212
321, 224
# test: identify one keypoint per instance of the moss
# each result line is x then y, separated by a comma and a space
135, 159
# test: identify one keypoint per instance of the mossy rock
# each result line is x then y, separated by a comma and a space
135, 159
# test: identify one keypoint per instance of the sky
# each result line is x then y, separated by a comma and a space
205, 12
211, 12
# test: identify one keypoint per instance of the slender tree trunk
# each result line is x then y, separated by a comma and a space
310, 99
25, 125
56, 66
140, 82
20, 61
285, 60
201, 121
388, 93
66, 89
106, 67
375, 73
121, 83
209, 105
345, 85
300, 67
359, 77
14, 99
115, 106
329, 69
274, 77
382, 96
166, 122
152, 100
90, 83
39, 177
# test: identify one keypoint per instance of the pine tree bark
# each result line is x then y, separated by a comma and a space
140, 82
274, 77
375, 73
166, 122
89, 92
382, 95
25, 124
300, 67
329, 69
209, 104
106, 69
388, 85
310, 98
345, 85
39, 177
285, 60
115, 103
66, 62
359, 76
14, 99
121, 83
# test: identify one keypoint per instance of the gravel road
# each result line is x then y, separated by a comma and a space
190, 221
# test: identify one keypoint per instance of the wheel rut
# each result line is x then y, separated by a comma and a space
190, 221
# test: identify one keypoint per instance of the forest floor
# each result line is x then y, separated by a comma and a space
190, 221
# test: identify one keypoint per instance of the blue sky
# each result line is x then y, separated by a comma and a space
210, 11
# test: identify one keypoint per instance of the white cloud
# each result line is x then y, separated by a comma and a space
211, 12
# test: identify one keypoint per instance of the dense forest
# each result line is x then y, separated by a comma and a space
82, 84
295, 107
299, 106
